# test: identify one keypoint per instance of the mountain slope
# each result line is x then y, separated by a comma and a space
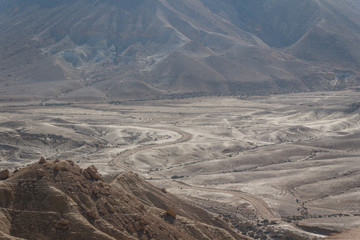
58, 200
334, 39
109, 50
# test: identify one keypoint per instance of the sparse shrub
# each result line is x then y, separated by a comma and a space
177, 177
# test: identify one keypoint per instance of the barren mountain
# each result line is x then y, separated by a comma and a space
59, 200
108, 50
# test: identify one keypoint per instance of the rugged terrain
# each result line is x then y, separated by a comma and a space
59, 200
179, 92
266, 163
106, 50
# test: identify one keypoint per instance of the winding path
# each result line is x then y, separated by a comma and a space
260, 205
119, 160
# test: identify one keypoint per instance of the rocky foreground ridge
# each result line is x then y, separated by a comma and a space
59, 200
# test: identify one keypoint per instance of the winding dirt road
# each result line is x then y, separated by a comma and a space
260, 205
119, 160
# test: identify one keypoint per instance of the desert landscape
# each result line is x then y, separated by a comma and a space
179, 119
267, 164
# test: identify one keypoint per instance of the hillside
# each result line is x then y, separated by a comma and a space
59, 200
105, 50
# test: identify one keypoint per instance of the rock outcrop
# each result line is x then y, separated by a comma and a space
59, 200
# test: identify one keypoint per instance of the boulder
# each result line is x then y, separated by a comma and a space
42, 160
86, 174
71, 162
170, 212
93, 172
4, 174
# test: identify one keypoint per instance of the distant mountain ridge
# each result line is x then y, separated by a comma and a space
107, 50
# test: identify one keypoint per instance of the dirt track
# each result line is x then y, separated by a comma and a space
119, 160
347, 235
262, 208
259, 205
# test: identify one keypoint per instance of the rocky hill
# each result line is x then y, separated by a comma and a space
107, 50
59, 200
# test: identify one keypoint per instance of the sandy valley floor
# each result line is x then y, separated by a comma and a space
291, 159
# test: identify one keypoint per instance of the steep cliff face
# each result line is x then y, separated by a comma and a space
58, 200
108, 50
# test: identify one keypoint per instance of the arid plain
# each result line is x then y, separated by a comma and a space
290, 159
